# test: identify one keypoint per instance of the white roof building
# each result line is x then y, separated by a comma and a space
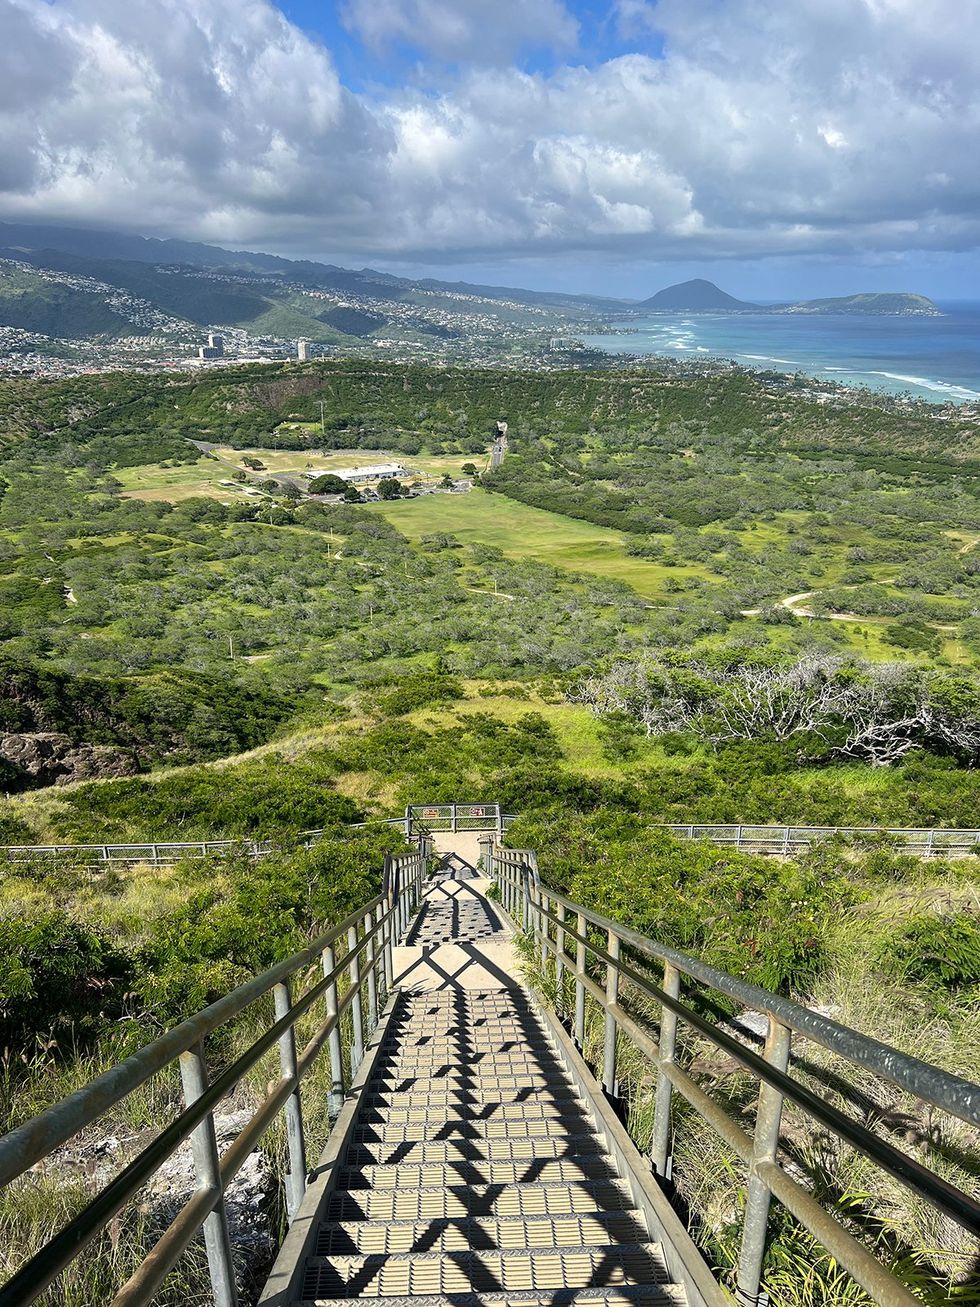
369, 472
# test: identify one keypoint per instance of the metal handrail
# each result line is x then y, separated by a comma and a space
931, 841
454, 817
554, 920
927, 841
369, 933
163, 851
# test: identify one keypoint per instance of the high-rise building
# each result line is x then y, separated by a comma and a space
214, 349
303, 351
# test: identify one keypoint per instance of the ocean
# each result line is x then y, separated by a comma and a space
935, 359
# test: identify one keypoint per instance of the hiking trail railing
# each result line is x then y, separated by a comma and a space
418, 820
355, 958
455, 817
595, 959
788, 840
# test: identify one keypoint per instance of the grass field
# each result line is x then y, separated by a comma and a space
525, 532
155, 482
189, 480
290, 460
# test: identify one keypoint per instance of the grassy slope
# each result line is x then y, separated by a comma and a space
34, 304
524, 532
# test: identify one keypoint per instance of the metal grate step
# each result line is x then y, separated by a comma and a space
465, 1171
463, 1097
463, 1058
452, 1078
371, 1238
425, 1152
461, 1202
411, 1274
622, 1295
473, 1128
435, 1046
383, 1113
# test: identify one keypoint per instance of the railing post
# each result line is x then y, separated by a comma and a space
404, 890
660, 1150
453, 819
372, 979
292, 1108
204, 1149
612, 996
357, 1023
333, 1039
579, 985
543, 903
765, 1146
560, 946
388, 942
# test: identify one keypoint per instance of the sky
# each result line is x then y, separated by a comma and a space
781, 148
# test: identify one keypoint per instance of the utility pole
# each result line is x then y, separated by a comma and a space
323, 428
231, 648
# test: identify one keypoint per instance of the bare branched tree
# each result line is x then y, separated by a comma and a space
877, 712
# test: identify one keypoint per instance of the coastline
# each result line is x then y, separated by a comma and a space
920, 357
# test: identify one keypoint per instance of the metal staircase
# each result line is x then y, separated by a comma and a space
475, 1158
472, 1169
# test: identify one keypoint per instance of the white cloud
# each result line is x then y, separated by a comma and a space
825, 125
482, 31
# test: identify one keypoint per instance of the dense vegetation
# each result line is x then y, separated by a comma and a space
744, 522
360, 667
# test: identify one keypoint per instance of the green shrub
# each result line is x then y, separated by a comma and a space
940, 951
420, 691
759, 918
262, 798
216, 940
56, 977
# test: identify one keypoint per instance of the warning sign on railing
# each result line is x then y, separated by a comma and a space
431, 813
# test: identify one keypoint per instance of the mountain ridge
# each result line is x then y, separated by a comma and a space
701, 296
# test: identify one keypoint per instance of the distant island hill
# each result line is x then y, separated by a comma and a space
700, 296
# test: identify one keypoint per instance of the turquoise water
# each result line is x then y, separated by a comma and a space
935, 359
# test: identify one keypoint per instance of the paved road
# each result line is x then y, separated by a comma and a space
498, 452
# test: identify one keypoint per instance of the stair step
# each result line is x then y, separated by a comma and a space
461, 1202
475, 1097
464, 1171
474, 1066
409, 1274
388, 1115
392, 1080
620, 1295
471, 1128
370, 1238
424, 1045
438, 1152
462, 1058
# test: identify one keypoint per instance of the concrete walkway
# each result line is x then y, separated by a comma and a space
459, 940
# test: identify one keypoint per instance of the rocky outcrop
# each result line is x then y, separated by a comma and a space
50, 758
92, 1160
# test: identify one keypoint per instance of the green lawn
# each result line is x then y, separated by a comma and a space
525, 532
153, 482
